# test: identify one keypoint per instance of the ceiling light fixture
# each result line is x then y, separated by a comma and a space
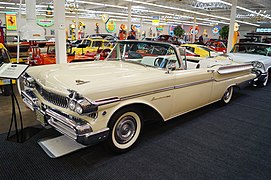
188, 11
245, 9
7, 3
101, 4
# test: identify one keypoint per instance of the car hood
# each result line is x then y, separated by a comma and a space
242, 57
97, 79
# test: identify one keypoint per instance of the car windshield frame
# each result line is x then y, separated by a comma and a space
258, 49
151, 54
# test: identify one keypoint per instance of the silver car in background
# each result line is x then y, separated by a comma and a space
259, 54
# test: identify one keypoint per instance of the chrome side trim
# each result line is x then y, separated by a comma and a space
234, 68
193, 83
105, 101
110, 100
147, 93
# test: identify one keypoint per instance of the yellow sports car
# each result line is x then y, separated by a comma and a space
91, 45
201, 50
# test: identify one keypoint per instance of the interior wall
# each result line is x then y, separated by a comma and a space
90, 27
243, 29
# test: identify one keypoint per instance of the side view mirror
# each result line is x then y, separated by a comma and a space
170, 67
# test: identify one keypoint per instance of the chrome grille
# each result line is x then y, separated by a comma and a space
52, 97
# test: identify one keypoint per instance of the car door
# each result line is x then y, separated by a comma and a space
192, 90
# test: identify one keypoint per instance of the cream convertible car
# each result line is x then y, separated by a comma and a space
110, 100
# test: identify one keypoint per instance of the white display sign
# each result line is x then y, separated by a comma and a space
263, 30
12, 71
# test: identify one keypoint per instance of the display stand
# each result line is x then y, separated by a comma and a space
13, 72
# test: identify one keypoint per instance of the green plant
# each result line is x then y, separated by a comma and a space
178, 31
224, 32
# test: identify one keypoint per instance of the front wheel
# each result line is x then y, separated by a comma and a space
227, 96
125, 127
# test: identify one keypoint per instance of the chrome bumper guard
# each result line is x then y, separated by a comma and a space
260, 77
73, 127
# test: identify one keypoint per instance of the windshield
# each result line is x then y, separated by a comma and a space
145, 53
260, 49
206, 49
97, 44
86, 42
51, 50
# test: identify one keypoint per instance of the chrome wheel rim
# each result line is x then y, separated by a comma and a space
125, 129
227, 95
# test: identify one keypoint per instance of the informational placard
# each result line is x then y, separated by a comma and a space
11, 21
110, 26
45, 22
263, 30
12, 71
215, 30
155, 20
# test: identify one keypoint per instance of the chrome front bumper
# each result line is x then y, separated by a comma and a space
261, 77
73, 127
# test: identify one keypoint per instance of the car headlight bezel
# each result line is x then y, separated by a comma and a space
258, 66
81, 105
28, 81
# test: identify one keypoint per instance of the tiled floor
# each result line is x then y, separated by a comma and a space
5, 112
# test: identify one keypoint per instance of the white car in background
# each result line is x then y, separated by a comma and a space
259, 54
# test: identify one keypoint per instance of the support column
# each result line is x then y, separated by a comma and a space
18, 34
60, 32
232, 21
141, 28
76, 22
194, 30
129, 17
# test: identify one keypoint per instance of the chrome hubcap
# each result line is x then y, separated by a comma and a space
228, 94
125, 129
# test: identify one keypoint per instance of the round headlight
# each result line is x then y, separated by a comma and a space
259, 65
72, 105
79, 109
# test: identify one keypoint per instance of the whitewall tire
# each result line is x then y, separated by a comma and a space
125, 127
227, 96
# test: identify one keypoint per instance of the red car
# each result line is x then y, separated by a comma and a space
218, 46
100, 54
46, 55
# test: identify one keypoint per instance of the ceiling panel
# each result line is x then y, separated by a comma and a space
250, 11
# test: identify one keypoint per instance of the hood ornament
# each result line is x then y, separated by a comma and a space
80, 82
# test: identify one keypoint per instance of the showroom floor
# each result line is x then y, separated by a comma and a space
229, 142
5, 112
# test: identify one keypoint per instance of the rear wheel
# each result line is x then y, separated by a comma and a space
125, 127
227, 96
